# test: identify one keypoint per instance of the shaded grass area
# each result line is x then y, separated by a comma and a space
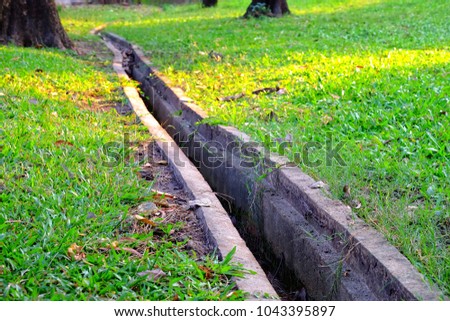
67, 185
372, 74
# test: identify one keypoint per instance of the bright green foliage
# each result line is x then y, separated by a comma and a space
373, 74
59, 186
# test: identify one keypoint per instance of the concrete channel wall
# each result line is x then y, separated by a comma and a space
334, 254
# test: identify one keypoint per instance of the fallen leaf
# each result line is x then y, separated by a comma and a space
132, 251
114, 244
153, 275
63, 142
208, 272
74, 251
144, 220
162, 194
326, 119
335, 96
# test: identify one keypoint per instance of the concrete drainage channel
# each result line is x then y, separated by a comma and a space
313, 240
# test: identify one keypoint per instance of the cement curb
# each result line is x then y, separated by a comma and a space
214, 219
334, 254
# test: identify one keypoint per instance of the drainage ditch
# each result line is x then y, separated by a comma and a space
311, 246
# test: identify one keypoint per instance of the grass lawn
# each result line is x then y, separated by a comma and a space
372, 74
65, 228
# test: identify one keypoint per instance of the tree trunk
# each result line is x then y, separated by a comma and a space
273, 8
32, 23
209, 3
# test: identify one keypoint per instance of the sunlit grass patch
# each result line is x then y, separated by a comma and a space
68, 180
372, 74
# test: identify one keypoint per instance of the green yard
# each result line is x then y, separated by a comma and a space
66, 230
373, 74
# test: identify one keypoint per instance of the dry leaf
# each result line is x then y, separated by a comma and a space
74, 251
335, 96
144, 220
162, 194
208, 272
153, 275
132, 251
63, 142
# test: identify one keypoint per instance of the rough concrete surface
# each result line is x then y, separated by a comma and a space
215, 220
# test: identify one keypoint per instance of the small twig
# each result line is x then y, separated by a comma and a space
230, 98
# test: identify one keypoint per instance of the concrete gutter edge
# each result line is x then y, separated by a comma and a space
215, 220
382, 265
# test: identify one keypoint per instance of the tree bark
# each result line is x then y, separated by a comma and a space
209, 3
30, 23
273, 8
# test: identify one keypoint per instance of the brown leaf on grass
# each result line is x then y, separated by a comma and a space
144, 220
153, 275
132, 251
326, 119
208, 272
63, 142
335, 96
74, 251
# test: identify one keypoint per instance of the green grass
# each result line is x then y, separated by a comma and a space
370, 73
57, 192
